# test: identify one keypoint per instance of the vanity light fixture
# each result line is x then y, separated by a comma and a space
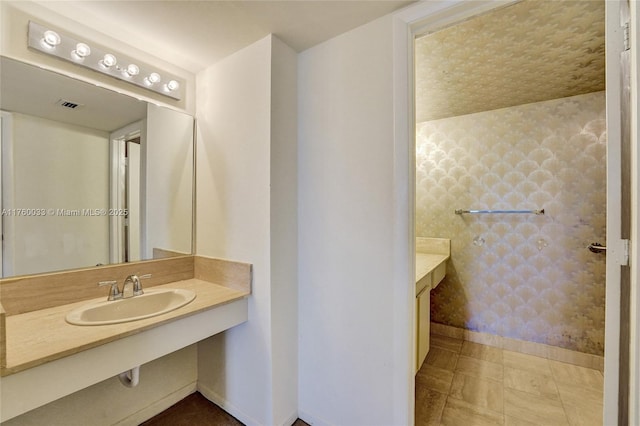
131, 70
81, 51
105, 61
108, 60
152, 79
171, 86
50, 39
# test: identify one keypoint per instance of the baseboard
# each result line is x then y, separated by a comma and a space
313, 420
226, 405
291, 420
531, 348
158, 406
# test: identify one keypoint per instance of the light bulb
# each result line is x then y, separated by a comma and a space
132, 69
152, 79
82, 51
172, 85
50, 39
108, 60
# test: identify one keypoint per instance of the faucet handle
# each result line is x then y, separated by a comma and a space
137, 286
114, 291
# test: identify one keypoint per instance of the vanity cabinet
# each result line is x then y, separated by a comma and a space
431, 267
423, 319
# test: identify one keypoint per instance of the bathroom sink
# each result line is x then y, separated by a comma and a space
153, 302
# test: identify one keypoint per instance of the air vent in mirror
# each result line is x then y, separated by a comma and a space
68, 104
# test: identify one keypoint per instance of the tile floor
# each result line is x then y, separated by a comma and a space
465, 384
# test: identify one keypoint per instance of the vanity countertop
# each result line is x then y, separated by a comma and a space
37, 337
431, 257
427, 262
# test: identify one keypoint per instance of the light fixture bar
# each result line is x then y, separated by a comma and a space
88, 55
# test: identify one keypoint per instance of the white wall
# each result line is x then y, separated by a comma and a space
233, 221
57, 166
284, 232
168, 186
246, 211
346, 226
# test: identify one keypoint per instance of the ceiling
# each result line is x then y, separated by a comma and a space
531, 51
196, 34
34, 91
191, 34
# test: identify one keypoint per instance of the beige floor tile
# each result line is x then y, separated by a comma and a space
575, 393
482, 393
573, 374
514, 421
584, 414
483, 352
533, 408
441, 358
435, 378
444, 342
479, 368
460, 413
526, 362
429, 406
526, 381
583, 404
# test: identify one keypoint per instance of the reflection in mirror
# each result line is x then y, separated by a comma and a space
89, 176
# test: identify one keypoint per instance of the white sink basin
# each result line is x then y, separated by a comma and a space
153, 302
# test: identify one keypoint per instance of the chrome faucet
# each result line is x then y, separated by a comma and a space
136, 286
114, 291
134, 280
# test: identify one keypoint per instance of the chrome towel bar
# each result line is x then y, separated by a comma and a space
460, 211
597, 248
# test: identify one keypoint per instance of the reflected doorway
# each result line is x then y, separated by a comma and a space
127, 187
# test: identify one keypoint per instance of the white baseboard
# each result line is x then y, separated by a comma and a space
226, 405
158, 406
313, 420
234, 411
291, 420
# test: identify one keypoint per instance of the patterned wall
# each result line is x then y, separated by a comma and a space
525, 277
527, 52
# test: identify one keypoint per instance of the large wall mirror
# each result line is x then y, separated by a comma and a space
89, 176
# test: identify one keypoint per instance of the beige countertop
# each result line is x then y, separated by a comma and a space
427, 262
37, 337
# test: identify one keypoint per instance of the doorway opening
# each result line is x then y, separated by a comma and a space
511, 121
126, 201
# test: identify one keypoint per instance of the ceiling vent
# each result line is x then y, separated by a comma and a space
68, 104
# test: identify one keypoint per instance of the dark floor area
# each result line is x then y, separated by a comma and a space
193, 410
197, 410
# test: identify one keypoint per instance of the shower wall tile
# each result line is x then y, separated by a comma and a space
524, 277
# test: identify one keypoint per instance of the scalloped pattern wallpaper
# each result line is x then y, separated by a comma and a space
532, 51
525, 277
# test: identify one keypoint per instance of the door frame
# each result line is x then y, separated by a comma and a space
117, 184
634, 259
615, 246
6, 193
407, 23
